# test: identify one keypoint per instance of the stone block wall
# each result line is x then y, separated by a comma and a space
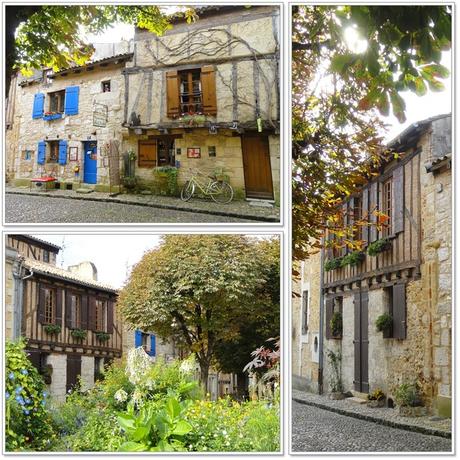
9, 295
57, 388
87, 372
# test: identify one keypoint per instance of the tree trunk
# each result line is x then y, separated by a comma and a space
204, 373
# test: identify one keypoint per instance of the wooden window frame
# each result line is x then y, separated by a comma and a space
304, 313
46, 256
387, 206
76, 313
105, 84
358, 216
60, 96
194, 107
100, 314
51, 150
50, 305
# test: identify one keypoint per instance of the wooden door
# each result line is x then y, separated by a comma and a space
73, 371
361, 342
257, 168
147, 154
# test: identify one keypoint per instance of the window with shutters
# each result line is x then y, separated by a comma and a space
145, 340
56, 102
357, 217
75, 311
100, 315
387, 205
53, 152
49, 305
304, 312
46, 256
190, 92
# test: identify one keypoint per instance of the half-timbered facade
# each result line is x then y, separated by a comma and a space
403, 270
67, 316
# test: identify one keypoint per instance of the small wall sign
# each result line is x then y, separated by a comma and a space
193, 152
73, 153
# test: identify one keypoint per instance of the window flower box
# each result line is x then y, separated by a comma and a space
52, 116
102, 336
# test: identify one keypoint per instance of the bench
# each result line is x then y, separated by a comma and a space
42, 183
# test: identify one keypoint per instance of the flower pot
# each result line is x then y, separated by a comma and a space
409, 411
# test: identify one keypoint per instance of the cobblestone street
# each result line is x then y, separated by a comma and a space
31, 209
319, 430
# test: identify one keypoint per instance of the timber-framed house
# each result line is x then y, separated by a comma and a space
67, 316
403, 270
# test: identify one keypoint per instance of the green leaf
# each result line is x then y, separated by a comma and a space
399, 106
140, 433
126, 422
340, 62
131, 446
173, 408
420, 87
182, 428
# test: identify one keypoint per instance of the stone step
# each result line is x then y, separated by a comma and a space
357, 400
84, 190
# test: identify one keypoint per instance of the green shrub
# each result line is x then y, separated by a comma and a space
378, 246
165, 180
79, 334
336, 324
332, 264
408, 394
352, 259
384, 322
27, 421
52, 329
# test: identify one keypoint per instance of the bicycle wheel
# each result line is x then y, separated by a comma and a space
187, 191
221, 192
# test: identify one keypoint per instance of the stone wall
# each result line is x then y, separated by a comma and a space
305, 347
87, 372
26, 132
57, 388
9, 293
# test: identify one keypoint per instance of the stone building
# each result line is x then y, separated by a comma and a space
67, 316
404, 271
204, 96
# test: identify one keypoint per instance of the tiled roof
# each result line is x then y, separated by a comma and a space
60, 273
53, 246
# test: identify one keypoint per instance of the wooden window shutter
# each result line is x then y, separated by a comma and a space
399, 311
344, 226
68, 309
208, 88
398, 200
147, 154
172, 94
84, 312
58, 317
41, 304
71, 100
374, 206
39, 104
329, 313
138, 338
92, 313
153, 345
110, 319
365, 215
62, 152
41, 153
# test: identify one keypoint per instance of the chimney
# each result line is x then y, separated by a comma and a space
86, 270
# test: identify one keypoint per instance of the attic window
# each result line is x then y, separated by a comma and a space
56, 101
106, 86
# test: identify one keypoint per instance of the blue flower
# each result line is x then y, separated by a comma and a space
26, 412
18, 390
7, 395
20, 400
45, 394
24, 372
11, 375
28, 401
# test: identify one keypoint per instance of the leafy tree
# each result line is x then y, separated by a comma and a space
198, 290
51, 35
350, 65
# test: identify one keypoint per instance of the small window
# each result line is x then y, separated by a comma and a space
212, 151
145, 338
191, 96
106, 86
98, 368
56, 102
53, 152
27, 155
50, 305
304, 312
101, 315
75, 311
387, 206
46, 256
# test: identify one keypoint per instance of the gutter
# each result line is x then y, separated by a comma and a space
321, 328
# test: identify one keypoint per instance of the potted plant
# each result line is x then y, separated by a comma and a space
352, 259
384, 244
166, 180
335, 360
332, 264
52, 329
408, 396
102, 336
384, 323
79, 334
376, 398
129, 182
336, 324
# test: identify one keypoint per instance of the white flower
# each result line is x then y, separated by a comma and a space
138, 365
188, 365
121, 395
137, 395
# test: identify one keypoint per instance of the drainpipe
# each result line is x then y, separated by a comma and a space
321, 329
18, 297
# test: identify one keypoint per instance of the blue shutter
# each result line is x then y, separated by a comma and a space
71, 100
153, 350
39, 103
138, 339
62, 152
41, 153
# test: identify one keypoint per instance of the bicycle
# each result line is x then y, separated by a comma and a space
219, 190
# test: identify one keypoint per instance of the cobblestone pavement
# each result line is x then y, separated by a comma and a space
42, 209
235, 209
319, 430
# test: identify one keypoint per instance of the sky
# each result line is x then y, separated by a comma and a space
113, 254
